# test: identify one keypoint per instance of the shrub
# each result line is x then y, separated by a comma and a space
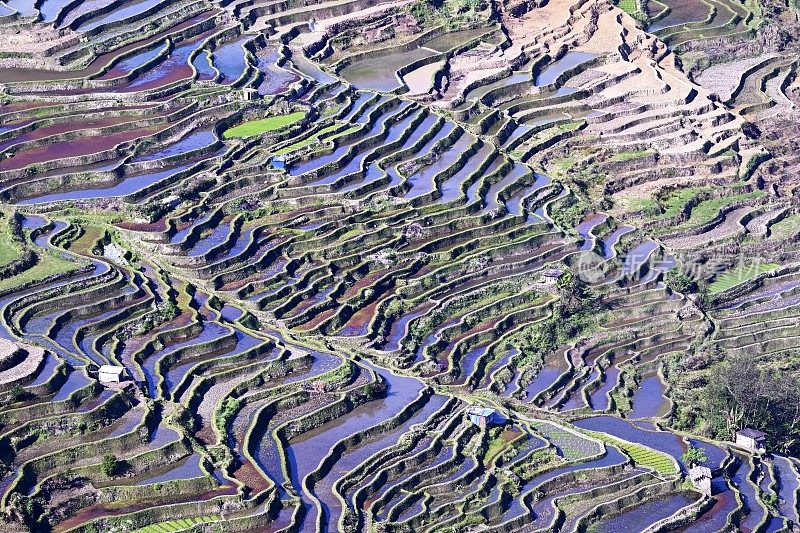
169, 311
694, 456
230, 406
678, 281
250, 322
19, 394
111, 466
771, 500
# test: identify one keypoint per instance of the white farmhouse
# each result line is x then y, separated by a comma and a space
111, 374
751, 439
701, 479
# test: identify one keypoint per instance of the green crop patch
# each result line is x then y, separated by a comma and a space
49, 264
641, 455
706, 211
787, 228
628, 6
739, 275
178, 525
264, 125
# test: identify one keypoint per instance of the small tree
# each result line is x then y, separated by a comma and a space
704, 298
678, 281
573, 291
18, 394
250, 322
169, 311
694, 457
110, 466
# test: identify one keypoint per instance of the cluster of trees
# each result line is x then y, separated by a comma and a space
744, 394
679, 281
165, 312
111, 466
574, 315
694, 457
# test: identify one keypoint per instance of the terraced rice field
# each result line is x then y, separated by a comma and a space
398, 266
739, 275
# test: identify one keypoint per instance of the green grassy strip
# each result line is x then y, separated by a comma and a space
678, 200
49, 264
344, 132
628, 156
9, 247
307, 141
706, 211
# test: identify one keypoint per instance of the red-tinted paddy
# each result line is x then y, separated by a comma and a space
65, 127
73, 148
